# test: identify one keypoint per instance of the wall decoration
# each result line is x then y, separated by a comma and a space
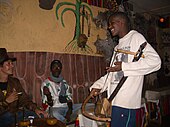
165, 36
106, 46
101, 20
166, 61
80, 39
140, 24
146, 25
109, 4
46, 4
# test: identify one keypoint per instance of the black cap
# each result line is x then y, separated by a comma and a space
4, 56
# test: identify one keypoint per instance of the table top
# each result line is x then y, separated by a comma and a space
42, 122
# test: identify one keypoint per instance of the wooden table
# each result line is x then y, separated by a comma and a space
41, 122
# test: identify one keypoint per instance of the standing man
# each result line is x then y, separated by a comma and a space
128, 99
56, 95
12, 95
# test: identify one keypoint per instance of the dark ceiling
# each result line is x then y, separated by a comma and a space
154, 7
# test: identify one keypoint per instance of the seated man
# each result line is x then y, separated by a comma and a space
12, 95
56, 94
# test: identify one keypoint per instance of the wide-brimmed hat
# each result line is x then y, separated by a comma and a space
4, 56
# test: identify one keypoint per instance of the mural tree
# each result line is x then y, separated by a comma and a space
79, 40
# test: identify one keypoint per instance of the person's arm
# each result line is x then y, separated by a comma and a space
48, 95
25, 101
3, 106
150, 63
69, 101
33, 107
69, 111
8, 99
102, 83
41, 112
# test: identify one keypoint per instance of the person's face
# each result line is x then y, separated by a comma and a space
56, 70
114, 26
7, 68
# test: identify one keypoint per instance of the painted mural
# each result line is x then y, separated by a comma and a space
80, 38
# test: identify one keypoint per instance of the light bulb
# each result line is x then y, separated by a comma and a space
161, 19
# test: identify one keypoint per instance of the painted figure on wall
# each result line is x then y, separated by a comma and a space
79, 40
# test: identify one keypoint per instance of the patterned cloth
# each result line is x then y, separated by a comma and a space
56, 89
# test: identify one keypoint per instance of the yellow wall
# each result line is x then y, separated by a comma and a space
24, 26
